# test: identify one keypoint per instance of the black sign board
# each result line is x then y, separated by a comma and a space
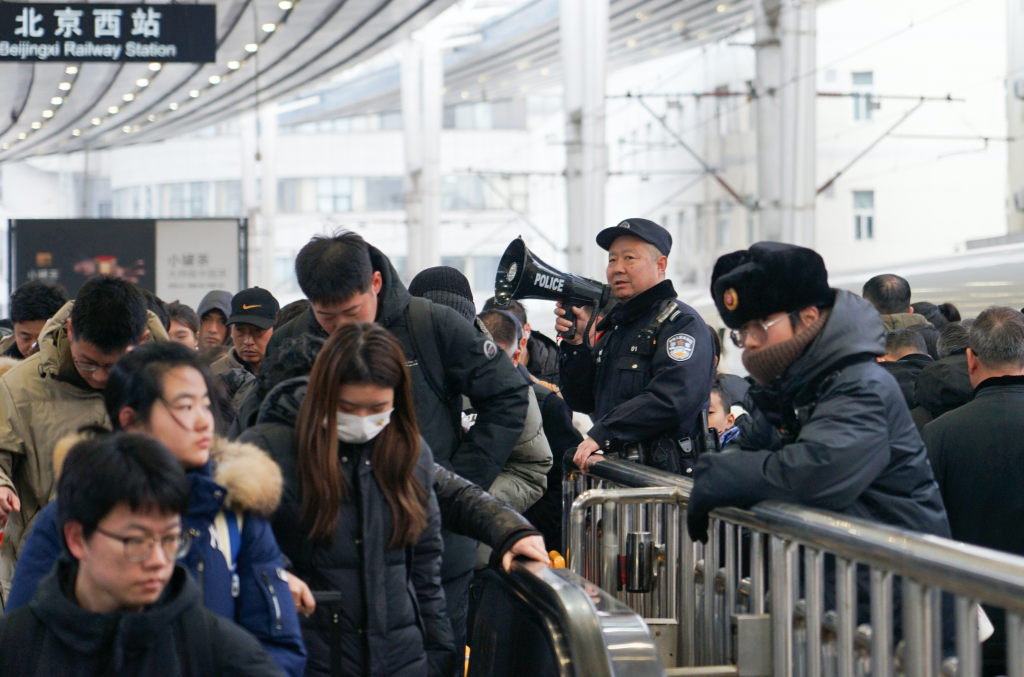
104, 32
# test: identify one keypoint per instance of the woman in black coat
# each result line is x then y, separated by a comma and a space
359, 519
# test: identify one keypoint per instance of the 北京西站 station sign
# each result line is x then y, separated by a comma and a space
76, 32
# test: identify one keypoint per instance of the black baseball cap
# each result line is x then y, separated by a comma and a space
648, 231
254, 306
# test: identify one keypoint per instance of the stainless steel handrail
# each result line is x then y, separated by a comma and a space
786, 545
602, 636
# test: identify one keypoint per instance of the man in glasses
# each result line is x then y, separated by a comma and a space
648, 375
117, 602
845, 440
58, 390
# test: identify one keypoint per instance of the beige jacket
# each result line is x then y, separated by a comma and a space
228, 362
42, 400
902, 320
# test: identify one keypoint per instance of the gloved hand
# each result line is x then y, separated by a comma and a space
697, 521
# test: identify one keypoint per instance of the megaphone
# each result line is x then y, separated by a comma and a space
521, 275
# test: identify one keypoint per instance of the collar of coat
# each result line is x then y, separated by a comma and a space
55, 346
250, 479
998, 381
638, 306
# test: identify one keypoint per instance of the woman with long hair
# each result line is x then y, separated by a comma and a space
163, 390
359, 519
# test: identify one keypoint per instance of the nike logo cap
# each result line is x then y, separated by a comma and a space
254, 306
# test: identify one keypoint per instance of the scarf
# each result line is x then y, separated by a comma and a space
767, 364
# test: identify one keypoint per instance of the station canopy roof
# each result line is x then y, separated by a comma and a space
106, 105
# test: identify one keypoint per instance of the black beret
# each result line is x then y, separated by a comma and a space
768, 278
648, 231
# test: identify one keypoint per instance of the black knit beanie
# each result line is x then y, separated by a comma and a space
447, 286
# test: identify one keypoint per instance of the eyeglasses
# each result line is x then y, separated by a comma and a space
90, 368
759, 331
137, 549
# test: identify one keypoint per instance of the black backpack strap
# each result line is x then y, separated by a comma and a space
19, 642
424, 343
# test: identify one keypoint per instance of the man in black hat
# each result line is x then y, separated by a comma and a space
253, 312
648, 376
846, 441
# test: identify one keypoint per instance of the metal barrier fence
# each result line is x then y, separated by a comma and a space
747, 599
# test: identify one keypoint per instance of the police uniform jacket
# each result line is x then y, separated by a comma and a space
641, 386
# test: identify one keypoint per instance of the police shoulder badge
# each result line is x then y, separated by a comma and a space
490, 349
680, 347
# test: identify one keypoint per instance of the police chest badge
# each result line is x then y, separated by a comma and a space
680, 347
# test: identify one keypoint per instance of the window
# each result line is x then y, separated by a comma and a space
864, 214
334, 195
463, 192
724, 214
863, 103
384, 193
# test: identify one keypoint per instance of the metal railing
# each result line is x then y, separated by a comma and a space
536, 621
767, 576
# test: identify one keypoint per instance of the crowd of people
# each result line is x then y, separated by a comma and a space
322, 488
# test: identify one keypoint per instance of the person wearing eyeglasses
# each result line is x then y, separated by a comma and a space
845, 438
57, 390
162, 390
117, 601
647, 377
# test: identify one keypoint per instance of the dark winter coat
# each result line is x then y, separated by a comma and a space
546, 514
850, 448
636, 389
906, 371
941, 388
176, 637
391, 618
466, 509
543, 354
977, 453
471, 368
240, 478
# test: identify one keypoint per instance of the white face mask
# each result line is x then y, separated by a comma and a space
358, 429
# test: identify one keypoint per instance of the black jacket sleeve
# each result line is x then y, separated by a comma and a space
426, 579
558, 427
678, 391
468, 510
236, 652
576, 370
486, 376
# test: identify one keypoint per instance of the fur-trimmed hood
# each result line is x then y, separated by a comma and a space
252, 479
7, 363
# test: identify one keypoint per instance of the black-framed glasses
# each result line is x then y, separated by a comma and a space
759, 330
137, 549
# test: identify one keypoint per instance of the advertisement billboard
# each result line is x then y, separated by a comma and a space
177, 259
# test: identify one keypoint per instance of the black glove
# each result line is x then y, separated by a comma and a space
697, 521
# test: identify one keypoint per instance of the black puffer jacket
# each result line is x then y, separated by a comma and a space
390, 619
942, 387
852, 447
543, 354
471, 366
466, 509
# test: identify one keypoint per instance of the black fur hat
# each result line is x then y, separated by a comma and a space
768, 278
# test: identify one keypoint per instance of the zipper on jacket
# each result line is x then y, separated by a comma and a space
273, 598
201, 571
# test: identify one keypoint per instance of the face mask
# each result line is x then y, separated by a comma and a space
358, 429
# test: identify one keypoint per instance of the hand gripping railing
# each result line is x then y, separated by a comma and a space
781, 570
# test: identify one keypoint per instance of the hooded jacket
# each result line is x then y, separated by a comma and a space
850, 447
942, 387
253, 591
471, 367
42, 400
906, 371
390, 619
902, 320
175, 637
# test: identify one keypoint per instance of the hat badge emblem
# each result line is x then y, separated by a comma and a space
731, 300
624, 224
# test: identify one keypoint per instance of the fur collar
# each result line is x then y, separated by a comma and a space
252, 479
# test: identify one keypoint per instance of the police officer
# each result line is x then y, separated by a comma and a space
648, 376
